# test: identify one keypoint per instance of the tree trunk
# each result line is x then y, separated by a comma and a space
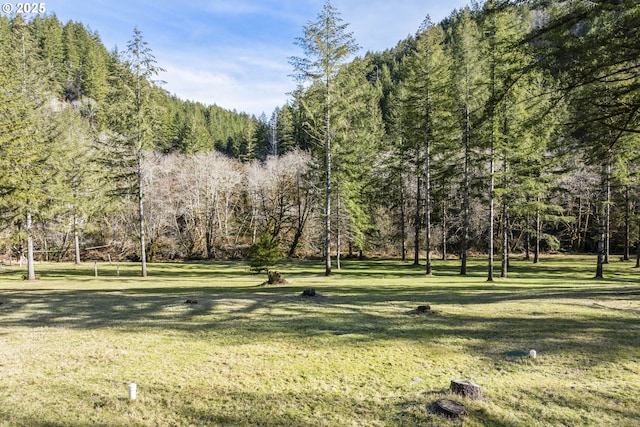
31, 272
294, 244
338, 230
301, 220
416, 223
536, 248
444, 231
627, 224
492, 167
427, 191
527, 238
638, 241
505, 237
327, 201
607, 232
227, 196
209, 238
491, 207
76, 245
602, 225
254, 231
576, 246
505, 217
143, 250
586, 226
505, 186
465, 198
45, 244
403, 217
62, 252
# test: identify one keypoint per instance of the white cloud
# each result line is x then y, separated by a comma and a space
227, 90
252, 78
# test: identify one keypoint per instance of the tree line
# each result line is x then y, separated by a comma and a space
509, 127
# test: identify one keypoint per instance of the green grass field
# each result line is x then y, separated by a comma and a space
354, 355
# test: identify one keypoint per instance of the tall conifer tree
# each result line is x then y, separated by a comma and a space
466, 69
326, 45
427, 108
133, 118
28, 135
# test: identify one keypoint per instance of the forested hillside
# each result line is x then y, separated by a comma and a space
507, 128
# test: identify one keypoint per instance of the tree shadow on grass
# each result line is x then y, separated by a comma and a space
351, 314
600, 331
349, 309
598, 337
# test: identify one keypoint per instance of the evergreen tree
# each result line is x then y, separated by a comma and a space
358, 132
503, 59
82, 196
285, 132
28, 136
427, 108
95, 71
591, 49
326, 45
263, 135
48, 39
133, 118
464, 42
195, 137
264, 254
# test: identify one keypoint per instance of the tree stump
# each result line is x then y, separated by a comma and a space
448, 407
311, 292
275, 278
422, 310
466, 388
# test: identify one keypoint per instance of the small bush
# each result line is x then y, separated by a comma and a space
264, 254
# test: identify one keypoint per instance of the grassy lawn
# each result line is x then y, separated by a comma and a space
246, 355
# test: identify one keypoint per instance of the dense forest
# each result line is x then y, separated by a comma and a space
507, 128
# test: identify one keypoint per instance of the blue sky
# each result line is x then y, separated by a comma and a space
233, 53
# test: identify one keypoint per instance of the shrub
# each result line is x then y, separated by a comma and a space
264, 254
